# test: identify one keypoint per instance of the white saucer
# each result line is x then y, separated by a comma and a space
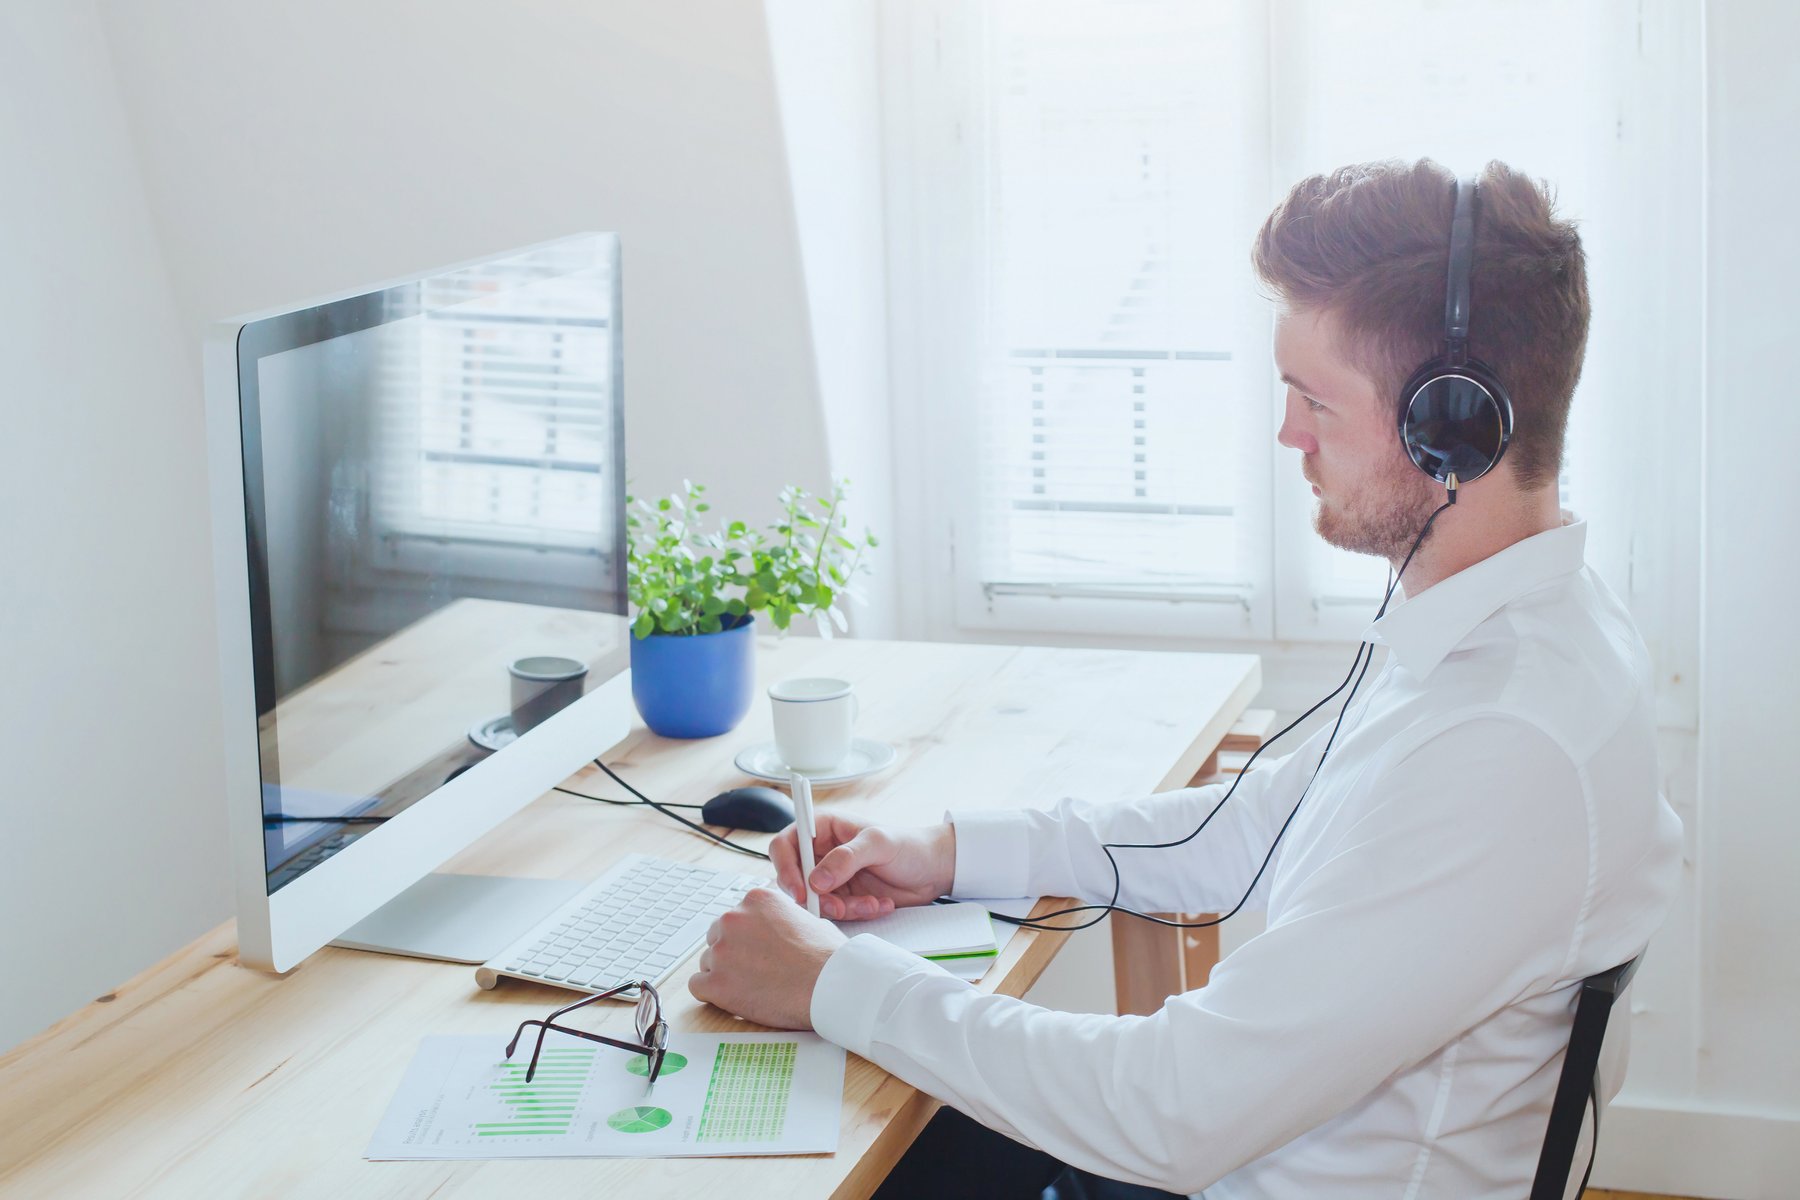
866, 757
495, 733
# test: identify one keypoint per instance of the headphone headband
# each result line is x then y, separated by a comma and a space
1455, 417
1462, 264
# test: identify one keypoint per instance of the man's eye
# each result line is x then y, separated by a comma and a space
1313, 404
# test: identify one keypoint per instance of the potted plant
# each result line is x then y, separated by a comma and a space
695, 594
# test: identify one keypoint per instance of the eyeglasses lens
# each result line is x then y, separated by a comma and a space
646, 1015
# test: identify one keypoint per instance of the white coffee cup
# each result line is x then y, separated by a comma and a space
812, 722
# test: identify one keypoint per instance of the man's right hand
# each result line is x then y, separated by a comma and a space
864, 871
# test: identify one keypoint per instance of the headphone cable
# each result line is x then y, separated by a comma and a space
1359, 666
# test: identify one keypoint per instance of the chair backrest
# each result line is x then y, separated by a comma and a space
1579, 1082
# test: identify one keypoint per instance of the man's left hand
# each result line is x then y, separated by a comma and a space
762, 959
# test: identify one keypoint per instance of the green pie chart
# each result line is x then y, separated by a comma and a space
640, 1118
639, 1065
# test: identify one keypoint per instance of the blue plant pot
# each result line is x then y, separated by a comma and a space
694, 686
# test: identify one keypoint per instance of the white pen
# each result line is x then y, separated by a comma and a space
801, 787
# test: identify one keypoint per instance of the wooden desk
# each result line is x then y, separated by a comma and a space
203, 1079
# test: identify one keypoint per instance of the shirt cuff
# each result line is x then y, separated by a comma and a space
851, 989
992, 857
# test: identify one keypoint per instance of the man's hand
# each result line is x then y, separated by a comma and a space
762, 959
864, 871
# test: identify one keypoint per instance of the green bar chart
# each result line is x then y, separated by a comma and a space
544, 1105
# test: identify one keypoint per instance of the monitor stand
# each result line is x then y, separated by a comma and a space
458, 918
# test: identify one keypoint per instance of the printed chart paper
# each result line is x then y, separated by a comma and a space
718, 1094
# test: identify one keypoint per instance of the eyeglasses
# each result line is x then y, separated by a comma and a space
652, 1030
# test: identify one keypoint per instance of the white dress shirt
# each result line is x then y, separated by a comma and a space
1486, 832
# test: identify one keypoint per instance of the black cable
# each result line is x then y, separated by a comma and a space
622, 803
1359, 666
664, 809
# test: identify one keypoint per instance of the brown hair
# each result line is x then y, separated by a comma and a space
1371, 244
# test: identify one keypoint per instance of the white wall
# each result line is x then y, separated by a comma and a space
295, 150
826, 55
114, 841
1732, 1128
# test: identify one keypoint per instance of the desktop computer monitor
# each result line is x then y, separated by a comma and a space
418, 507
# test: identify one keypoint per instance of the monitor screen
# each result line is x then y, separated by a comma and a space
434, 501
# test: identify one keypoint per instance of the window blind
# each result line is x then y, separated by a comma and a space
1112, 368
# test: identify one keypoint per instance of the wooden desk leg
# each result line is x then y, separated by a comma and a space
1146, 964
1153, 962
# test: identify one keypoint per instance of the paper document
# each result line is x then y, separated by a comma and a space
931, 930
973, 969
926, 929
737, 1093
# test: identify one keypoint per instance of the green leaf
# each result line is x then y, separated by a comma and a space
781, 617
709, 625
641, 627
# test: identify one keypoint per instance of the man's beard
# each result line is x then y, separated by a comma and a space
1383, 518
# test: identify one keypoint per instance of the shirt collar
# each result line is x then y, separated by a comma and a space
1426, 627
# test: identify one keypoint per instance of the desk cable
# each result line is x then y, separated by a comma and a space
664, 807
666, 810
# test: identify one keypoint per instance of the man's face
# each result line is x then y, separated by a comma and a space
1372, 499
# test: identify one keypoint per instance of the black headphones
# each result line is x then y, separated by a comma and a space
1455, 418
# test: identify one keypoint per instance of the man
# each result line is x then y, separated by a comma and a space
1485, 832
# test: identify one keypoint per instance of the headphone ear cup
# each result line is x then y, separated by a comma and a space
1455, 420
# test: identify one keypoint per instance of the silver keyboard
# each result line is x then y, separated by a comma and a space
637, 921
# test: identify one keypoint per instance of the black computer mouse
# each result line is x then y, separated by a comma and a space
760, 809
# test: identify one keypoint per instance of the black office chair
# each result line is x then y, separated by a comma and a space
1579, 1084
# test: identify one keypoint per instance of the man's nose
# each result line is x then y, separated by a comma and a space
1293, 436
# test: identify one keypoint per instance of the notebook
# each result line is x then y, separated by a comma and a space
960, 938
933, 930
